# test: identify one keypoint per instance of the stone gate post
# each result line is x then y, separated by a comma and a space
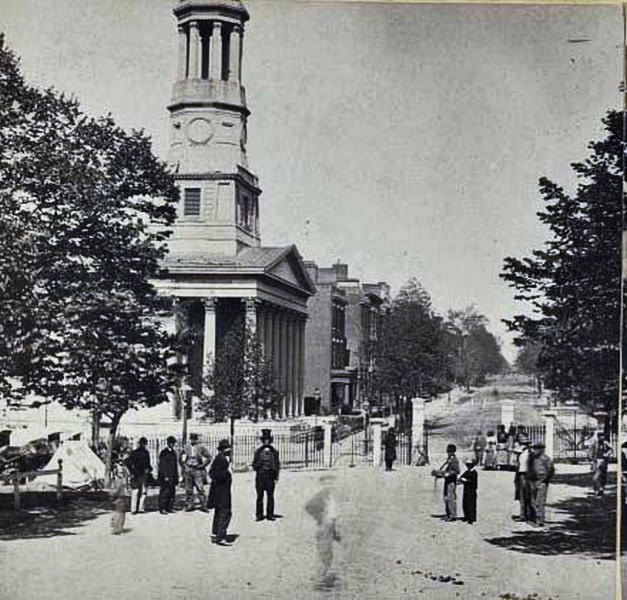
417, 427
507, 412
327, 456
376, 441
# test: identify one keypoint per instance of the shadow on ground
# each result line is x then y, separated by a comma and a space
48, 522
589, 528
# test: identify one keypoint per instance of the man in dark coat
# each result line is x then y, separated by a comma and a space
389, 443
267, 465
168, 476
469, 479
138, 464
220, 493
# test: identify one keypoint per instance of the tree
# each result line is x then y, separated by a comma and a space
526, 362
85, 210
412, 358
476, 352
240, 381
572, 285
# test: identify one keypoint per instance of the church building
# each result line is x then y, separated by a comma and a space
217, 269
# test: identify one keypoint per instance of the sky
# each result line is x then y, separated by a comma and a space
403, 139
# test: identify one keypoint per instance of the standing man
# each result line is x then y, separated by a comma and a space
194, 459
138, 464
600, 453
266, 464
450, 472
541, 471
168, 476
478, 447
220, 493
522, 484
389, 443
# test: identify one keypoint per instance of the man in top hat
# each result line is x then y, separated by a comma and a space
138, 464
540, 473
266, 464
168, 476
522, 485
220, 493
469, 479
194, 460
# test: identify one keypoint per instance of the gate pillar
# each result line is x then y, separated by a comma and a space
549, 432
376, 442
507, 413
417, 428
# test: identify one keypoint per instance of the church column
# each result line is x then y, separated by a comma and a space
235, 53
289, 364
181, 69
284, 360
301, 366
194, 51
251, 314
295, 365
209, 339
276, 354
216, 51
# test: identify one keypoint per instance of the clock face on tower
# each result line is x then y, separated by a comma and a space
199, 130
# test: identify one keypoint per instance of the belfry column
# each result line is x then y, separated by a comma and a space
209, 340
194, 51
181, 69
216, 51
235, 42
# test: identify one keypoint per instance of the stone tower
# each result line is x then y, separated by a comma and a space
218, 213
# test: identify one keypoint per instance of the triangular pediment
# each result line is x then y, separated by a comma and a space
290, 268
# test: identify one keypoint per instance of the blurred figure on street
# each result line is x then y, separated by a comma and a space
323, 509
389, 444
490, 456
522, 485
510, 445
266, 465
600, 453
220, 493
479, 447
118, 486
194, 460
540, 473
138, 464
470, 480
501, 446
168, 471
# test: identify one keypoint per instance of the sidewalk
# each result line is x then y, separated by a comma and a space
393, 546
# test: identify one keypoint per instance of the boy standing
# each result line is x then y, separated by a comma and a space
469, 479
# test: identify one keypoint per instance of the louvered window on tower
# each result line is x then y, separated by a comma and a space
191, 200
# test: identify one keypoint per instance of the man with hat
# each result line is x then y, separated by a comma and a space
540, 473
220, 493
522, 485
266, 464
168, 476
194, 460
600, 453
469, 479
450, 472
138, 464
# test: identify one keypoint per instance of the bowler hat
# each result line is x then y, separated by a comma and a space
471, 462
193, 436
224, 444
266, 434
451, 448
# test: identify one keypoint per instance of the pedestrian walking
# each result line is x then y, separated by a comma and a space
266, 465
479, 447
138, 464
470, 480
168, 476
194, 460
541, 471
522, 484
600, 453
220, 493
389, 444
323, 509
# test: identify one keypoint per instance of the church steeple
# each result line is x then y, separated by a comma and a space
219, 211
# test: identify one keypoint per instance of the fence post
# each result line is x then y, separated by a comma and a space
417, 427
16, 490
326, 457
549, 432
60, 482
507, 412
376, 442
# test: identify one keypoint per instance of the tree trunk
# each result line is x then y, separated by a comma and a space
232, 430
115, 421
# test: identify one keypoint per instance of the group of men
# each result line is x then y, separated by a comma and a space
194, 460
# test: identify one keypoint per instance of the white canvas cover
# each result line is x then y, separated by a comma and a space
81, 467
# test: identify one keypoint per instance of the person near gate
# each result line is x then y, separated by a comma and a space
220, 493
168, 476
541, 471
522, 484
600, 454
479, 446
138, 464
469, 479
389, 444
194, 459
266, 465
450, 471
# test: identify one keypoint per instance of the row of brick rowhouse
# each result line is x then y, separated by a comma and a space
318, 325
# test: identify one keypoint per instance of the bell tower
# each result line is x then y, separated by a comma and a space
218, 213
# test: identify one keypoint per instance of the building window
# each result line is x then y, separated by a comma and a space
191, 202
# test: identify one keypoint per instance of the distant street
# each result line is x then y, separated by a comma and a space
394, 545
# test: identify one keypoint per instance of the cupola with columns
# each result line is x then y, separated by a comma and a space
219, 208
